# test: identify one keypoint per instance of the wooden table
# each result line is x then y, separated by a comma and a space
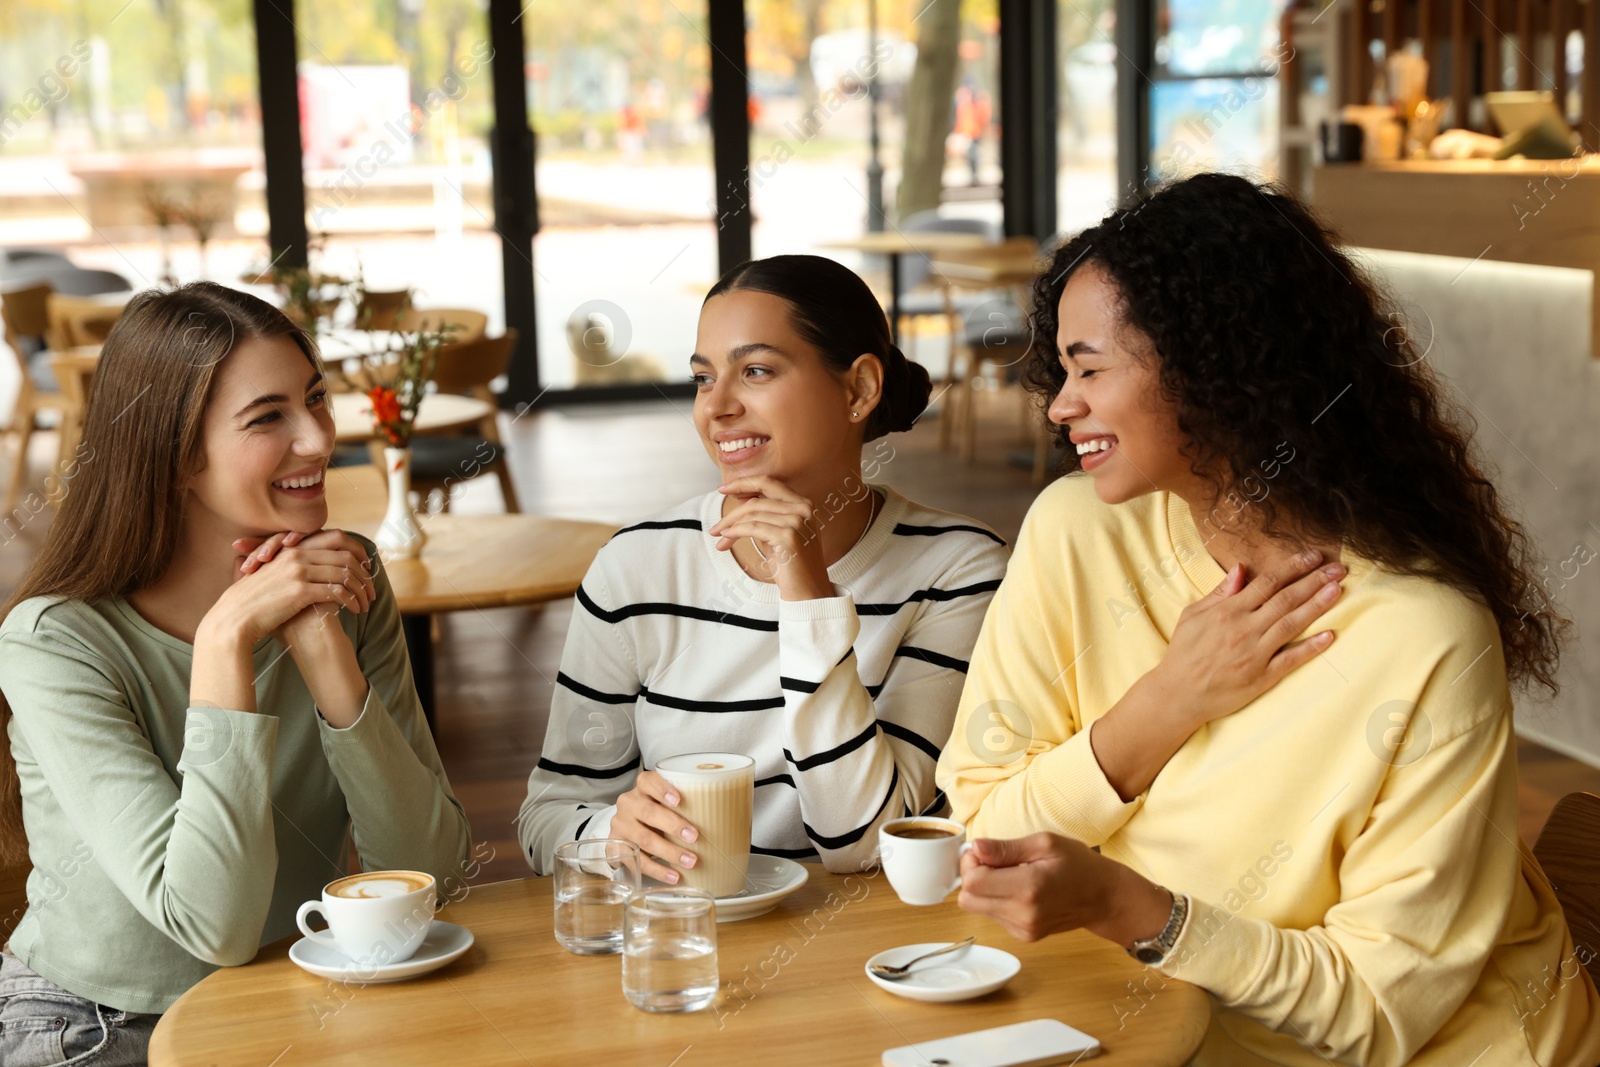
894, 244
793, 991
1012, 264
438, 413
469, 561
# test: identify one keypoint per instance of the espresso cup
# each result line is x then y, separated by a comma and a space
374, 918
717, 794
922, 857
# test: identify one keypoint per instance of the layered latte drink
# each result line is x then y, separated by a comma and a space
716, 793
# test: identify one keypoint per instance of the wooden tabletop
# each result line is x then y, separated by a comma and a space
990, 267
438, 413
470, 561
792, 982
893, 241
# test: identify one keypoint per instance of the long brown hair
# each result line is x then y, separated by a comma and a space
1293, 369
122, 513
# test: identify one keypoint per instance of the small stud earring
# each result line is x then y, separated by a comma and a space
854, 415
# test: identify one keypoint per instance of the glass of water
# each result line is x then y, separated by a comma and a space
669, 954
593, 878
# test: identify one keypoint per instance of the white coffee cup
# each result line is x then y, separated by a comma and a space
716, 793
374, 918
922, 857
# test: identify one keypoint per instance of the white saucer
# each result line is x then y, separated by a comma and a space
962, 975
767, 880
444, 944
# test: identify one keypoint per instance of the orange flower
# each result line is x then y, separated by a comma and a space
385, 404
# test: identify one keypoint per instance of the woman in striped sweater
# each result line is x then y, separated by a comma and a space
799, 613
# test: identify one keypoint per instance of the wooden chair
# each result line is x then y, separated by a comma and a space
992, 330
76, 321
917, 299
471, 325
436, 461
27, 321
13, 898
1569, 851
74, 372
380, 309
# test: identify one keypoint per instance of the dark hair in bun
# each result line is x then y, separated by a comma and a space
835, 312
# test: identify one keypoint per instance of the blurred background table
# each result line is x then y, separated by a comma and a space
792, 979
894, 244
438, 413
469, 562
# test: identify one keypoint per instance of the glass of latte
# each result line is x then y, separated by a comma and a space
716, 793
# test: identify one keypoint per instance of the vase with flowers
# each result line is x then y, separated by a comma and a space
394, 383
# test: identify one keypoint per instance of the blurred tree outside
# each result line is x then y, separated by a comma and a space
928, 108
166, 72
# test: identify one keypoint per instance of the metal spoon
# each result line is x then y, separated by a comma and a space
891, 973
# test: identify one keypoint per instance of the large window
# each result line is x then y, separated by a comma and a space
1214, 101
127, 133
395, 112
811, 173
618, 91
1086, 186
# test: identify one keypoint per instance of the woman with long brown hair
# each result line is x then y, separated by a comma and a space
1332, 852
196, 723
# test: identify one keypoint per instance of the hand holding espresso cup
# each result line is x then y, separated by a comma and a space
923, 857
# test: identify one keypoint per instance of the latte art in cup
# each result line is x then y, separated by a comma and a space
379, 884
374, 918
716, 793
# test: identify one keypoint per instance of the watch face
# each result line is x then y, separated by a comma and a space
1149, 955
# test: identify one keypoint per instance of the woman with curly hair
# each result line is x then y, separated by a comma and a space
1332, 851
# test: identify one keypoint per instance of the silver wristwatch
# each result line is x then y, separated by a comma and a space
1153, 950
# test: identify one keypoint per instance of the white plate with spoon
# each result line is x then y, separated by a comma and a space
956, 972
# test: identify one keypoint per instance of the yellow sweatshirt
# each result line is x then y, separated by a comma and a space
1349, 838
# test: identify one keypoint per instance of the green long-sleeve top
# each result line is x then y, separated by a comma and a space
169, 840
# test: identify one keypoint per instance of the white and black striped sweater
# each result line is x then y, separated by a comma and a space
844, 702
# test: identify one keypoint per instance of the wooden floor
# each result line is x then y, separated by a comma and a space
618, 463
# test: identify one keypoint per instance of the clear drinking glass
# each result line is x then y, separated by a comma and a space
669, 954
593, 878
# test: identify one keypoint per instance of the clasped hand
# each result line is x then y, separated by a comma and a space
293, 584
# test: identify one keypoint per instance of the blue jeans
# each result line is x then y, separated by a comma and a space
42, 1025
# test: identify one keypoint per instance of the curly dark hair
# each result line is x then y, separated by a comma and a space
1265, 333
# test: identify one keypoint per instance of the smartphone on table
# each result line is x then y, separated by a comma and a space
1035, 1043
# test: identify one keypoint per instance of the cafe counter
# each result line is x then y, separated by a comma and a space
1544, 212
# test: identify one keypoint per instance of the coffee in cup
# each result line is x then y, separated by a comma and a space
716, 793
916, 831
374, 918
922, 857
